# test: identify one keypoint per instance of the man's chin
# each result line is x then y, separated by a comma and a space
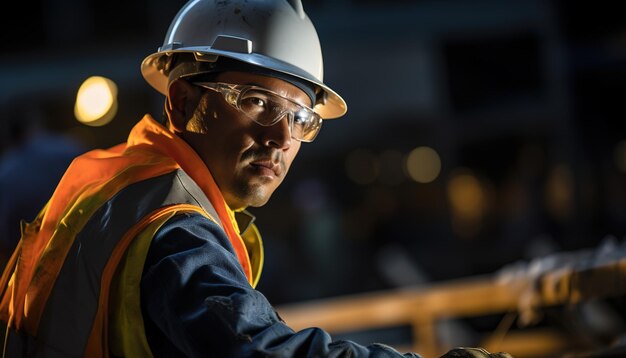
251, 196
259, 200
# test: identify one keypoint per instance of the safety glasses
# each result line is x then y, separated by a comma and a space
268, 108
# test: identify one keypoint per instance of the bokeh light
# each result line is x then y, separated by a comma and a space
96, 101
559, 192
423, 164
468, 201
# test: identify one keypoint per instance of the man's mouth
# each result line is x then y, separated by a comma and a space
267, 168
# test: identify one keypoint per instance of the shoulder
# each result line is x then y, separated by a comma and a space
191, 239
189, 230
192, 244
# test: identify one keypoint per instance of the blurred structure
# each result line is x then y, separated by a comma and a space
561, 305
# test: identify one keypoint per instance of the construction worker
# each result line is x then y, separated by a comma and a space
145, 249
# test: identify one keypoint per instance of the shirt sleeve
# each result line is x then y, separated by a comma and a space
196, 301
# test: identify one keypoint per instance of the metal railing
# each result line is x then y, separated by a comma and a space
517, 293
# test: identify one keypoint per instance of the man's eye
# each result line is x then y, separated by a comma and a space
300, 118
255, 104
256, 101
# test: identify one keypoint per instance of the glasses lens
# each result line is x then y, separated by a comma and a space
263, 107
267, 109
305, 125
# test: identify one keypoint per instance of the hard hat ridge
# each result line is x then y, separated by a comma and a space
297, 6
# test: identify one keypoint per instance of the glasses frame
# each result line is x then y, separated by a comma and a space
232, 94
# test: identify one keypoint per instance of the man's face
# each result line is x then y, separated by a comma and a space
248, 161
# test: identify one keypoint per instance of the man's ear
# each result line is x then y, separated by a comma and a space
180, 104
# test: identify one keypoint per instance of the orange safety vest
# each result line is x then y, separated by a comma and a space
56, 286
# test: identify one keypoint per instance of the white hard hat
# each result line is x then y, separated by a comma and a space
275, 35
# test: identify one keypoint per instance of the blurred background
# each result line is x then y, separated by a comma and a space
479, 135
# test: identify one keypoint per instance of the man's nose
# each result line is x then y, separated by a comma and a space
278, 135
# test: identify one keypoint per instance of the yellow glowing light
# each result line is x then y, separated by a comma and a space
468, 200
560, 191
362, 167
466, 196
96, 101
423, 164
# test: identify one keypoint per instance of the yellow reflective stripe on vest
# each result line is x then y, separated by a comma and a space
98, 345
252, 239
127, 334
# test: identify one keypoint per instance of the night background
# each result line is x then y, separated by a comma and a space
479, 134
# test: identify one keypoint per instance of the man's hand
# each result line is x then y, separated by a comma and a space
462, 352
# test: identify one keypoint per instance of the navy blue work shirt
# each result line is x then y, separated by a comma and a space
197, 302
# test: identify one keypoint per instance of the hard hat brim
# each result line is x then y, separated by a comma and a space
152, 69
